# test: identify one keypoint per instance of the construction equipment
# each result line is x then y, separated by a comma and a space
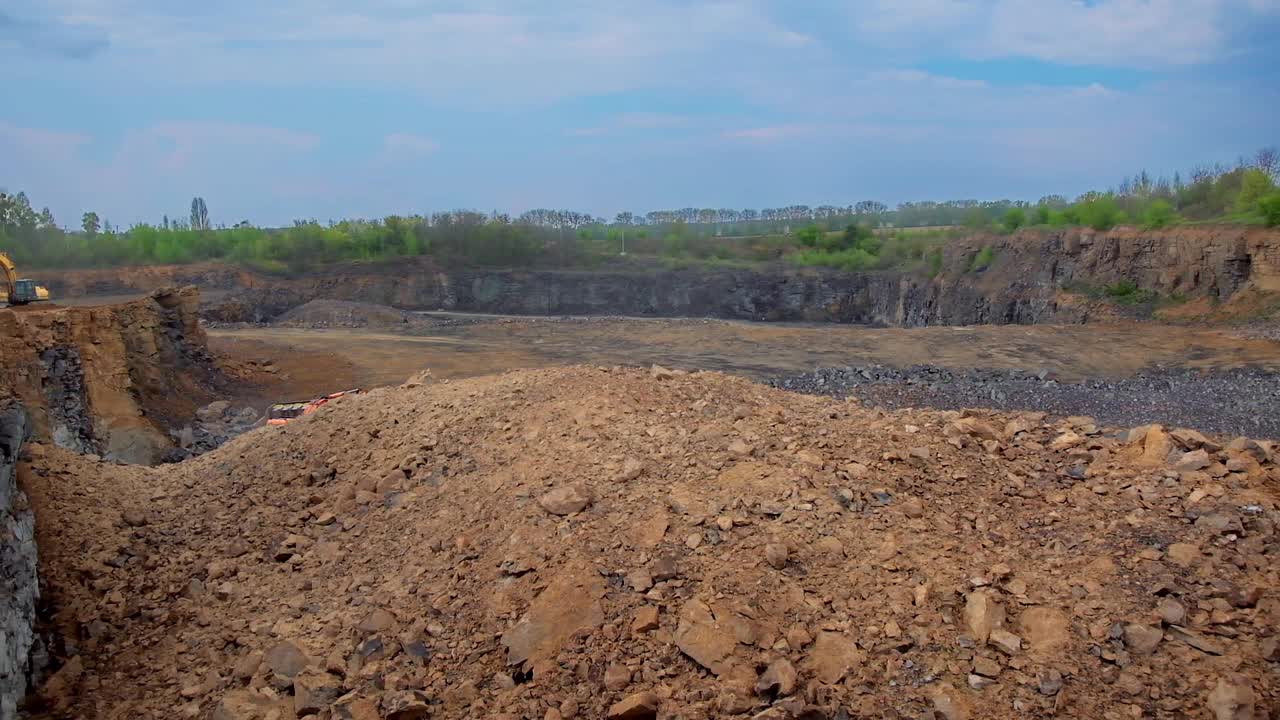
15, 291
286, 412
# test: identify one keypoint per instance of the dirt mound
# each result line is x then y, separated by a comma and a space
343, 313
617, 543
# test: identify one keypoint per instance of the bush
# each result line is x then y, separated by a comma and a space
1254, 186
851, 260
1041, 215
1158, 214
1014, 219
1100, 213
1127, 292
1269, 206
810, 235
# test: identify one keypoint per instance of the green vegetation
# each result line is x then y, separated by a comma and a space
860, 248
1126, 292
858, 236
1159, 214
1269, 207
1014, 219
982, 260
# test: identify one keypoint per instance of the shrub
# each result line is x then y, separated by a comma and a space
1158, 214
1100, 213
1014, 219
1254, 186
1269, 206
809, 235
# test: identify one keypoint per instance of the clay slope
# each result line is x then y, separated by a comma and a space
104, 379
616, 543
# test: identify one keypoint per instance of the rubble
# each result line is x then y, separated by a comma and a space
480, 548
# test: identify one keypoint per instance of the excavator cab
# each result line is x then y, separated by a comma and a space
24, 291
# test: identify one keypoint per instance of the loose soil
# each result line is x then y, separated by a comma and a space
592, 542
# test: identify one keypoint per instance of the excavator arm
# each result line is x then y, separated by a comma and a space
16, 291
9, 287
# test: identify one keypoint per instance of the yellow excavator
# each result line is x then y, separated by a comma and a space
15, 291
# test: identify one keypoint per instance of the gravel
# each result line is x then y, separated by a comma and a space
1244, 401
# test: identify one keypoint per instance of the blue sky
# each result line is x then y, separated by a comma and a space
327, 109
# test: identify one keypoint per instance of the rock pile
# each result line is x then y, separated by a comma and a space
608, 543
213, 425
1235, 401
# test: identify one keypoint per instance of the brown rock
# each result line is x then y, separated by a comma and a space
314, 691
406, 705
134, 517
640, 580
617, 677
832, 656
1142, 639
950, 703
778, 680
700, 637
1045, 629
986, 667
1171, 611
248, 705
648, 533
247, 666
776, 554
1270, 648
1232, 699
640, 706
1050, 682
982, 614
972, 427
1192, 440
565, 500
1184, 554
1194, 460
1156, 446
631, 469
1005, 641
286, 660
377, 621
351, 707
646, 619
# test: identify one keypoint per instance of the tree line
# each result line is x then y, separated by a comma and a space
1243, 192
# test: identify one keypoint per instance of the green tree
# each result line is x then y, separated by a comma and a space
1013, 219
1158, 214
1041, 215
1255, 185
199, 214
91, 224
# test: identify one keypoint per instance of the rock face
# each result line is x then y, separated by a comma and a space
97, 379
18, 585
1021, 286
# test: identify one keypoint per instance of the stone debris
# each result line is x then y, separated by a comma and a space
612, 543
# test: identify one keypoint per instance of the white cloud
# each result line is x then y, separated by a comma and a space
1125, 33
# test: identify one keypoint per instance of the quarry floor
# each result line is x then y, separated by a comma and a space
311, 360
